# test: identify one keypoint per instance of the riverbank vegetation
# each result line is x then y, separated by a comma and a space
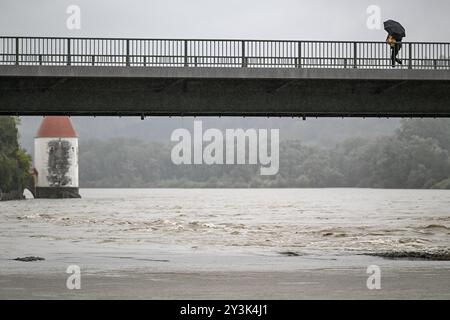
14, 161
417, 155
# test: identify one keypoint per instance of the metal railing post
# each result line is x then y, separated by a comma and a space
186, 63
69, 58
17, 51
355, 55
299, 45
127, 62
410, 56
244, 62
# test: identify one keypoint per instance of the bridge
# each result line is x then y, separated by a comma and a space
198, 77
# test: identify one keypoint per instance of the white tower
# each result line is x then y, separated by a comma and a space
56, 159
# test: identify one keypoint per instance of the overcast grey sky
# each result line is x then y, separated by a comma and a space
425, 20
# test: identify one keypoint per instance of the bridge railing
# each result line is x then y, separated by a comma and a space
219, 53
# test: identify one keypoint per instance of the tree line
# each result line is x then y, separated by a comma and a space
14, 161
417, 155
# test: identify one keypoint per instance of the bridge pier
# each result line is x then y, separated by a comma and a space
57, 193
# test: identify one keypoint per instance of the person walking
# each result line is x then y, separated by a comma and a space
395, 41
396, 33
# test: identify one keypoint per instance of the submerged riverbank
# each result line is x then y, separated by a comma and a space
221, 276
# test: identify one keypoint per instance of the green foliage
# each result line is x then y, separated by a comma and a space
445, 184
14, 161
416, 156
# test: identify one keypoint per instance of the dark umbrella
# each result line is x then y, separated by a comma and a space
394, 28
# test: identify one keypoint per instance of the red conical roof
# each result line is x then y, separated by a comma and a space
56, 127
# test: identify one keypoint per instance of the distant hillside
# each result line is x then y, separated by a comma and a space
417, 155
321, 132
380, 153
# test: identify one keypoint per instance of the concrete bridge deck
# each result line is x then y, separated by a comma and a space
284, 78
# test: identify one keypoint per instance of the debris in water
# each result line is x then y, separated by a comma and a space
443, 255
29, 259
290, 254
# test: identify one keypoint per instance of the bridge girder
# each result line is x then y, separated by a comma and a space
135, 91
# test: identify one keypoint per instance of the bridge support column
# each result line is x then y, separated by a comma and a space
56, 193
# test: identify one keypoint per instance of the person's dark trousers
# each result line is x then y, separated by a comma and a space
395, 49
